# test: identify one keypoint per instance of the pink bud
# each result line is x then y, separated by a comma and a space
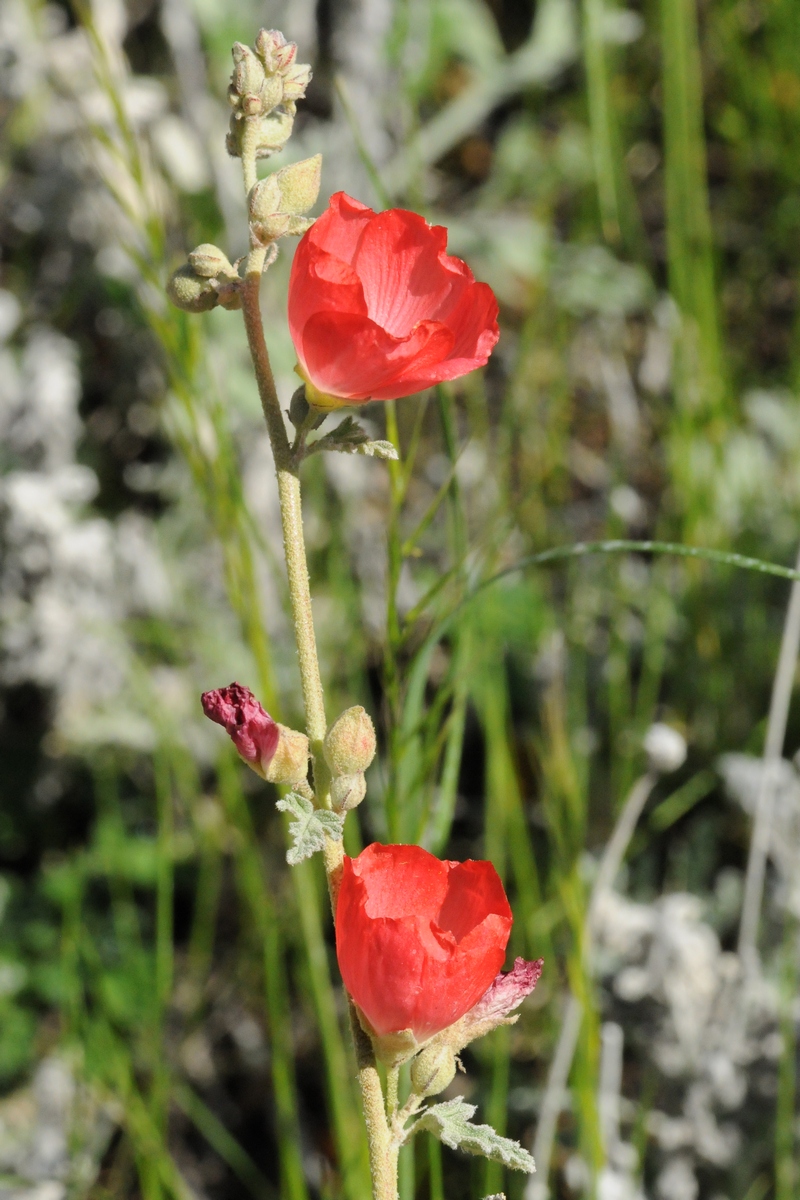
252, 730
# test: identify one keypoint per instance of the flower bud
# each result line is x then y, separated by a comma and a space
250, 727
295, 81
266, 232
290, 191
264, 198
349, 745
208, 261
274, 51
273, 132
272, 93
433, 1070
299, 408
299, 185
300, 225
248, 73
347, 791
289, 764
190, 291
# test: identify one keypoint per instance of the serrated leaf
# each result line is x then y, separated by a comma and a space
450, 1123
309, 828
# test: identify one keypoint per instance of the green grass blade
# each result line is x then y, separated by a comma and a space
701, 382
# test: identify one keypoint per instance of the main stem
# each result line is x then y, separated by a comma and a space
383, 1164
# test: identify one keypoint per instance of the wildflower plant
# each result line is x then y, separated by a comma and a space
377, 310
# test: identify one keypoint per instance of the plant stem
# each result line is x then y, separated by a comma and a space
383, 1163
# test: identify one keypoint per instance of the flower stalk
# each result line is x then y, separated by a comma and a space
382, 1153
407, 1000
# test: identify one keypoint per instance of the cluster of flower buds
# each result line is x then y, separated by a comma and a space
349, 748
265, 86
276, 203
204, 281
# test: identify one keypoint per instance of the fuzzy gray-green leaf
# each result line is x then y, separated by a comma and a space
451, 1123
309, 828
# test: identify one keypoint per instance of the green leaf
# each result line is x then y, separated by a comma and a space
450, 1123
350, 438
309, 828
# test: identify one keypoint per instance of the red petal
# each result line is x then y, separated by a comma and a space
340, 227
475, 333
474, 891
350, 356
319, 282
399, 262
428, 320
451, 987
401, 881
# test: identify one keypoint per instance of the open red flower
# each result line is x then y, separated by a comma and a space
419, 940
378, 309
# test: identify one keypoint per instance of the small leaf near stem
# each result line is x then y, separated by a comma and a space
451, 1123
350, 438
310, 827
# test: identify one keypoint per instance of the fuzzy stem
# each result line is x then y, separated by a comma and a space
392, 1088
382, 1158
249, 153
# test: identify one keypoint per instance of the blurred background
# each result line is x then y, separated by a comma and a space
628, 181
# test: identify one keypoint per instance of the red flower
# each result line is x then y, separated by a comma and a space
378, 310
252, 730
419, 940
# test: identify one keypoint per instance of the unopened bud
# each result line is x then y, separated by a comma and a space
248, 73
289, 764
274, 51
264, 198
272, 93
287, 192
299, 185
347, 791
295, 81
274, 227
300, 225
209, 262
273, 132
433, 1070
190, 291
299, 408
349, 744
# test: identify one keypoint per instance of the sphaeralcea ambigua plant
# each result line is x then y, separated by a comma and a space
377, 310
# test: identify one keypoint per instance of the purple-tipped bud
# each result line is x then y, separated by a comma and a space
252, 730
